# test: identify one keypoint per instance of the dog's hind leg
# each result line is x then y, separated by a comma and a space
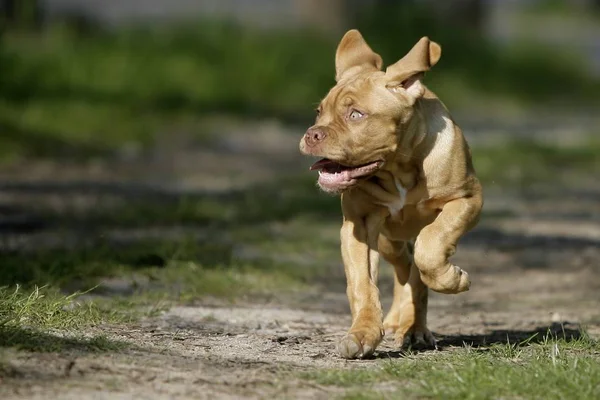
407, 318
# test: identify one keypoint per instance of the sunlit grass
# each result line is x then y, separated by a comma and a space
554, 368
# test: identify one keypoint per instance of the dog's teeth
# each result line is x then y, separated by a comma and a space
320, 172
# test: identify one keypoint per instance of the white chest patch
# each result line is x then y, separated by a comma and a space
396, 206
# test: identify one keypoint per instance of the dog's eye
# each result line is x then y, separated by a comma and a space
355, 114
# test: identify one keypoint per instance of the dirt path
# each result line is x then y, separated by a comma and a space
534, 268
262, 350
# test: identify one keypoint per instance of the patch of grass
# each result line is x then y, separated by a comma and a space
525, 162
201, 266
149, 274
346, 377
40, 319
28, 317
45, 308
83, 265
552, 369
188, 281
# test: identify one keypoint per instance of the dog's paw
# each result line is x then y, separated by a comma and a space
455, 280
359, 343
412, 337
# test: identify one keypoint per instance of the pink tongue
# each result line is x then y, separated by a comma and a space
322, 164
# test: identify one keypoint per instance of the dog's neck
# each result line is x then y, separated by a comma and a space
418, 136
416, 139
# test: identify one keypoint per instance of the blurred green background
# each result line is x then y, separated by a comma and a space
76, 81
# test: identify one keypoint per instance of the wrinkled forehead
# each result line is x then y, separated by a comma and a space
360, 89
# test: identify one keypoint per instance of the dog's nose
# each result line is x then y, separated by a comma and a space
314, 135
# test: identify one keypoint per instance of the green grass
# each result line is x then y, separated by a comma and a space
186, 269
190, 282
552, 369
520, 162
44, 308
168, 274
43, 319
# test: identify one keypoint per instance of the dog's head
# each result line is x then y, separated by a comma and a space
361, 121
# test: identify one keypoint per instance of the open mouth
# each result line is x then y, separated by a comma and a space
335, 177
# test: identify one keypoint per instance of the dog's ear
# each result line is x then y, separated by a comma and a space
354, 55
406, 74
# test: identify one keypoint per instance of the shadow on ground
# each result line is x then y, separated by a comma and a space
557, 331
38, 341
516, 338
485, 236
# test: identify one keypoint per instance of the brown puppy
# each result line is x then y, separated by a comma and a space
404, 170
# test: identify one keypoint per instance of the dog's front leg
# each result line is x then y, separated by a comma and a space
361, 262
436, 243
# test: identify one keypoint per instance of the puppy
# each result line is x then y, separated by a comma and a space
405, 175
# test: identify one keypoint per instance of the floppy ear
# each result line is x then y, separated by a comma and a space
407, 72
354, 55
